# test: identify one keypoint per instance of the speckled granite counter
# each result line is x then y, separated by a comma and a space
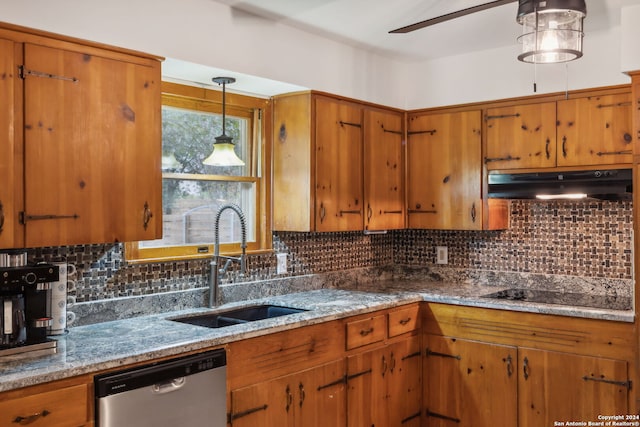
100, 346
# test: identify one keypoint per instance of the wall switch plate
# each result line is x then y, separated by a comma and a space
442, 255
281, 266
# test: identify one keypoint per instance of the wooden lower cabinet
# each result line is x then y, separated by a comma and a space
311, 398
469, 383
384, 385
487, 367
48, 406
560, 387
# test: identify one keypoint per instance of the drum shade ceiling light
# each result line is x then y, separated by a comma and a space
223, 149
551, 30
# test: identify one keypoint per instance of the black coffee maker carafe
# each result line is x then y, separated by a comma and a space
13, 325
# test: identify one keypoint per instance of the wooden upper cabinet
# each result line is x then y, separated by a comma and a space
521, 136
92, 147
595, 130
337, 165
444, 170
338, 155
11, 189
383, 170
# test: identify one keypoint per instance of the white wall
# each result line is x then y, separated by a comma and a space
212, 34
209, 33
497, 74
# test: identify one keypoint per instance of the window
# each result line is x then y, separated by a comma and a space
193, 192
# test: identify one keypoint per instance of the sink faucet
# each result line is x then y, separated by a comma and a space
214, 276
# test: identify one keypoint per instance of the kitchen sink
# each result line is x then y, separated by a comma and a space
238, 316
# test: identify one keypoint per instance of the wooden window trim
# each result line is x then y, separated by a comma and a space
177, 95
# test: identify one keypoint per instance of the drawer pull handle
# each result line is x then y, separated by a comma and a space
146, 216
384, 366
1, 217
525, 368
303, 395
509, 366
289, 398
365, 332
23, 421
405, 321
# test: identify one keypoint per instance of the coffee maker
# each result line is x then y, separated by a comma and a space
23, 309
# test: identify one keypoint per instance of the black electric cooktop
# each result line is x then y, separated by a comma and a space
612, 302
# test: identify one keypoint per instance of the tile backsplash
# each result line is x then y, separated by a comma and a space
582, 238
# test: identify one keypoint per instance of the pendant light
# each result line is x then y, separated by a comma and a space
551, 30
223, 149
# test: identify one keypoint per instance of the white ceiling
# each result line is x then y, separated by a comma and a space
366, 23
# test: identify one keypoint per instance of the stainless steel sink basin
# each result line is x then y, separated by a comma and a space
238, 316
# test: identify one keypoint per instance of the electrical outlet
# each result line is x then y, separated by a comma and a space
442, 255
281, 266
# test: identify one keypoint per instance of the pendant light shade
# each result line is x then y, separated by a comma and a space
551, 30
223, 149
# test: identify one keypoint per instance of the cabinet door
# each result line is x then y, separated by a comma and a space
383, 170
444, 171
595, 130
556, 386
404, 387
269, 403
10, 148
312, 398
339, 191
92, 148
321, 396
384, 386
469, 383
367, 402
522, 136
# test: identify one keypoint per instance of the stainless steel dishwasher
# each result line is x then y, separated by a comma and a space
189, 391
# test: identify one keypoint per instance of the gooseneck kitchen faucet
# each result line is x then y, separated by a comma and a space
214, 276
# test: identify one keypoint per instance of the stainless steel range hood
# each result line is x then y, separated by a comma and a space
609, 184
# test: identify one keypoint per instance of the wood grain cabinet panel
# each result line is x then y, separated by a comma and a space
11, 190
339, 176
384, 385
384, 170
311, 398
469, 383
444, 170
81, 142
595, 130
403, 320
65, 407
92, 148
366, 331
338, 165
521, 136
555, 386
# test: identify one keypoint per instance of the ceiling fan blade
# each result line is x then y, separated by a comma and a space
450, 16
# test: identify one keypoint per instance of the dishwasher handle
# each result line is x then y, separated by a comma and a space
169, 386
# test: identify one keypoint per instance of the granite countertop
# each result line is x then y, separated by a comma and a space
92, 348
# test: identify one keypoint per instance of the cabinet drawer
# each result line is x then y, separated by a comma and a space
365, 331
66, 407
403, 320
270, 356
